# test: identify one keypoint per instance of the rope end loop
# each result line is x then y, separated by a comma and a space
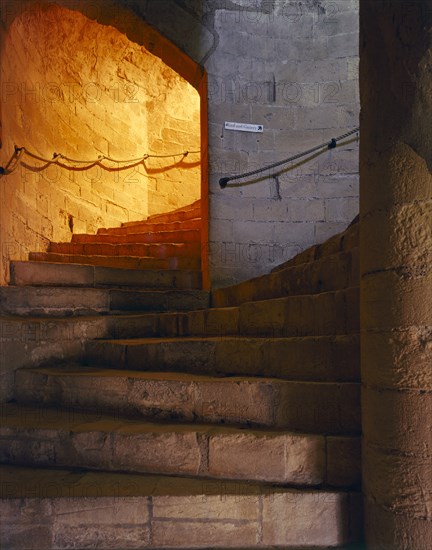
223, 182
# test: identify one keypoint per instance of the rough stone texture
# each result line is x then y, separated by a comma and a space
309, 358
145, 511
288, 457
105, 95
59, 301
291, 66
48, 274
64, 437
314, 407
396, 165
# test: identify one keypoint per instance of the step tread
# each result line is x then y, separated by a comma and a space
193, 223
176, 236
296, 358
123, 262
154, 250
113, 510
301, 406
337, 271
25, 273
157, 376
274, 456
58, 300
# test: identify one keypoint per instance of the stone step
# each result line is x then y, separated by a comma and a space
325, 314
54, 274
182, 236
46, 437
145, 227
121, 262
334, 272
143, 250
30, 340
61, 301
342, 242
319, 358
188, 212
313, 407
74, 509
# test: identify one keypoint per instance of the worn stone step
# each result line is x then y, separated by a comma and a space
158, 250
70, 509
44, 301
314, 407
180, 236
325, 314
145, 226
44, 437
53, 274
30, 340
335, 272
187, 212
342, 242
319, 358
122, 262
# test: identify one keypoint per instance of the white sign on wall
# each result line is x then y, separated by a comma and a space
241, 127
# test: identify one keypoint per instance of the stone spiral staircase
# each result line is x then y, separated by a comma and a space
228, 419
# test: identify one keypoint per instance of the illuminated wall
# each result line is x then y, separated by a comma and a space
73, 86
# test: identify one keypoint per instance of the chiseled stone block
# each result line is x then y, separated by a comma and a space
285, 458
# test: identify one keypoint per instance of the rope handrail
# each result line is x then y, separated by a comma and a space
329, 145
19, 152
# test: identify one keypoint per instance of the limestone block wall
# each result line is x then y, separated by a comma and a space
291, 66
74, 86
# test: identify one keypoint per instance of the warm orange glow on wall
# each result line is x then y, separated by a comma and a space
71, 85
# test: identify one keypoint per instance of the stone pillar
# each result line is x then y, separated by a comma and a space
396, 271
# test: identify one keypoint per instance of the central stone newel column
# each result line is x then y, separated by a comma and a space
396, 271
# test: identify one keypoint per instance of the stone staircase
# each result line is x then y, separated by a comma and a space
168, 244
190, 426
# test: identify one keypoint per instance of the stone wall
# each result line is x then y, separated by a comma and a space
291, 66
73, 86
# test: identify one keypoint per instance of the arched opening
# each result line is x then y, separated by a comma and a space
82, 88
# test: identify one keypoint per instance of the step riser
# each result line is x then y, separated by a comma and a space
343, 242
41, 301
147, 227
41, 273
320, 359
113, 511
172, 217
139, 250
286, 459
333, 273
144, 238
119, 262
325, 314
300, 406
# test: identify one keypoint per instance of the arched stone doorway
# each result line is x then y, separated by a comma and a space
87, 80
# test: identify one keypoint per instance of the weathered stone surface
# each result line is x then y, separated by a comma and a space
322, 314
287, 458
309, 358
328, 273
396, 278
304, 406
176, 511
295, 518
60, 301
47, 274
